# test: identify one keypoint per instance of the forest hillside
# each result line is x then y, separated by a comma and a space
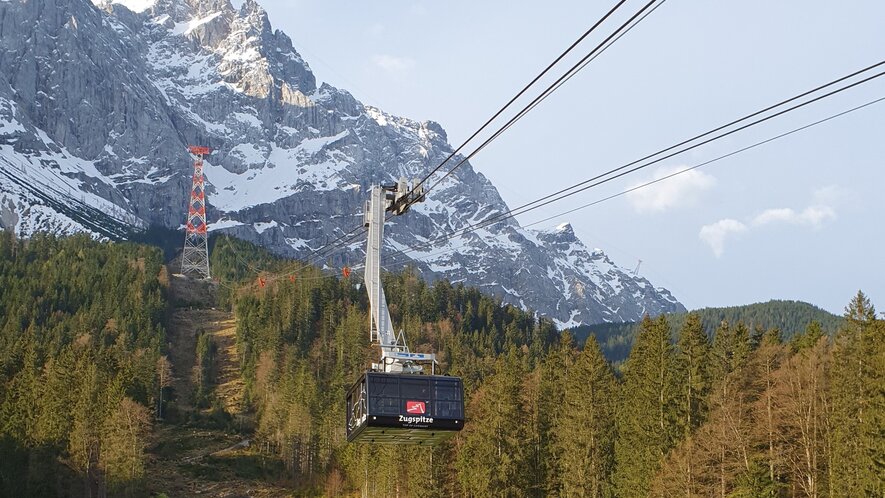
788, 317
100, 390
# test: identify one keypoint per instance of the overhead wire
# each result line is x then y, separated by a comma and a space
520, 93
604, 177
658, 180
718, 129
668, 176
622, 172
575, 69
710, 161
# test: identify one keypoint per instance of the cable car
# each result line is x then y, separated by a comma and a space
396, 402
404, 408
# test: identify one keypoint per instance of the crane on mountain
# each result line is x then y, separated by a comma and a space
396, 401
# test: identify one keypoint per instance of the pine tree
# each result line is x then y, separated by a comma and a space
19, 411
875, 425
551, 393
647, 421
585, 430
692, 373
693, 382
492, 458
857, 460
535, 445
55, 398
728, 436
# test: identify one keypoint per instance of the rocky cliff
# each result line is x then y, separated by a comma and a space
98, 102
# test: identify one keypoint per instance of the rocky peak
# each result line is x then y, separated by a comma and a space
562, 236
97, 106
436, 128
564, 231
253, 56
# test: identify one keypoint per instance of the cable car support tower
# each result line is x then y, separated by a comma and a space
195, 255
395, 354
396, 402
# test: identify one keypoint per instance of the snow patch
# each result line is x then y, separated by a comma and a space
313, 145
261, 227
8, 123
184, 28
28, 181
137, 6
249, 119
297, 244
283, 172
223, 224
570, 323
377, 115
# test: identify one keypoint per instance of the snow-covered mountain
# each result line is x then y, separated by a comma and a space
99, 99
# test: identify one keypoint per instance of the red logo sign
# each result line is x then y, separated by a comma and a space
415, 407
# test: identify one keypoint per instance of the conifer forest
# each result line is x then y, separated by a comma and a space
100, 397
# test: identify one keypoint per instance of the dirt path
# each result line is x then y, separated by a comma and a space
196, 452
229, 386
184, 329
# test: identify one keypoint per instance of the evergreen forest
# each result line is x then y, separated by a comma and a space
98, 397
788, 317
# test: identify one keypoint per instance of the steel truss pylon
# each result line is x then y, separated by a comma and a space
195, 257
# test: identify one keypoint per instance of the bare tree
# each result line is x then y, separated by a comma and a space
164, 380
122, 445
801, 398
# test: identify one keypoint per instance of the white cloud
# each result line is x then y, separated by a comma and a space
714, 235
393, 63
813, 216
680, 190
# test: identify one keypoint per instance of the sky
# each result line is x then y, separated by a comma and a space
800, 218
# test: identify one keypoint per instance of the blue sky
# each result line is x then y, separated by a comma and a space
800, 218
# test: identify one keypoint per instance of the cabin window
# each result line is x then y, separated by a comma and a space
415, 389
384, 395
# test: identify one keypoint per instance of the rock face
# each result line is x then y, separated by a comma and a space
99, 100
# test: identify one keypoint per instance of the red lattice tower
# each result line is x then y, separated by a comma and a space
195, 257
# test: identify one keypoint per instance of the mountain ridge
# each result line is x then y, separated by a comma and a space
789, 317
120, 88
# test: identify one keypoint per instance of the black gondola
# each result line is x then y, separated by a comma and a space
404, 408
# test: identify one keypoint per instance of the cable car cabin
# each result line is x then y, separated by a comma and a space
404, 408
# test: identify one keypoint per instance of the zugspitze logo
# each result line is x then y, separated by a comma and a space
415, 407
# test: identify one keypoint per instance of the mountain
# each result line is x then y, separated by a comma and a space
99, 100
789, 317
